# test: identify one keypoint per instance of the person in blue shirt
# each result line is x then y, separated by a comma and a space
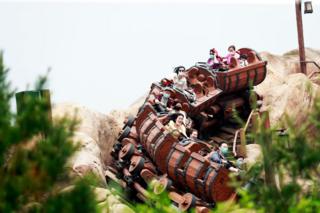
219, 155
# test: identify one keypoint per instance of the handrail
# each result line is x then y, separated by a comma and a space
315, 63
248, 120
235, 142
312, 62
237, 132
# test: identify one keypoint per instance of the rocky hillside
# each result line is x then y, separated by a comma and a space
285, 90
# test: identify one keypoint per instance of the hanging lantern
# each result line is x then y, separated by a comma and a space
308, 7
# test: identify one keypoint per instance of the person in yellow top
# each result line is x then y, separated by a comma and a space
177, 127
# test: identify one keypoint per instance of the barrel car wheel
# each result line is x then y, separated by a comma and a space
162, 185
117, 147
189, 201
125, 132
126, 151
136, 165
130, 121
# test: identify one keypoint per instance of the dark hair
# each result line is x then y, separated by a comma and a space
216, 147
178, 106
232, 46
243, 56
190, 131
177, 69
176, 115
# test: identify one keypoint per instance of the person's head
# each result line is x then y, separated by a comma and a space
194, 134
164, 98
240, 162
179, 69
179, 119
189, 123
243, 57
166, 93
231, 48
177, 107
164, 82
224, 148
213, 51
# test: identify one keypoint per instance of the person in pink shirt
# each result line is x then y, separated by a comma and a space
232, 53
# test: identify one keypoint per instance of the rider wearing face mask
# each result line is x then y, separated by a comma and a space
214, 61
224, 149
220, 153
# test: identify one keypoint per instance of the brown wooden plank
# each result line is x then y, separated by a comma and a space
226, 136
217, 139
229, 130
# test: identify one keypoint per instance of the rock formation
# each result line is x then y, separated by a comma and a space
95, 135
285, 90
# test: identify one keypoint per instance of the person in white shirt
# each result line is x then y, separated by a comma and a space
181, 82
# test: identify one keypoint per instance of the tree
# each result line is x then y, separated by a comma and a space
33, 154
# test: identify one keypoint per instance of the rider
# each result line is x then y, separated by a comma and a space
194, 135
220, 155
214, 61
231, 53
177, 127
162, 102
180, 83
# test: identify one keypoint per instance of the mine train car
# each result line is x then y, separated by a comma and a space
146, 152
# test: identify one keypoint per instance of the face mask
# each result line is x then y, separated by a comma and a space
166, 95
211, 56
224, 150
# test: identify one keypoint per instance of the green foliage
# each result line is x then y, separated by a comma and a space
5, 119
288, 178
33, 154
77, 200
156, 203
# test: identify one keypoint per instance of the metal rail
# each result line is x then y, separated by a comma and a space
315, 64
235, 142
312, 62
243, 131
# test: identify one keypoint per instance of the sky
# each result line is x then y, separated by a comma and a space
104, 54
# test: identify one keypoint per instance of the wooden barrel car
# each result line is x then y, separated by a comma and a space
181, 161
239, 78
